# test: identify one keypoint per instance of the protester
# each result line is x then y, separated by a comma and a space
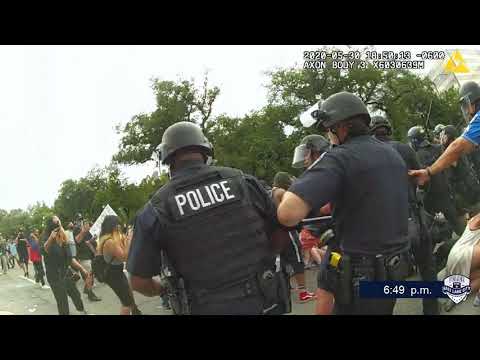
13, 257
311, 246
464, 258
22, 251
3, 255
36, 258
85, 254
114, 246
57, 262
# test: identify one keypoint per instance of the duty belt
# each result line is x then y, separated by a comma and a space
232, 291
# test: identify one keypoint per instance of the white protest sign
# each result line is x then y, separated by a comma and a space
95, 229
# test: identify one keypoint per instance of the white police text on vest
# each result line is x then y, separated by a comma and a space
204, 196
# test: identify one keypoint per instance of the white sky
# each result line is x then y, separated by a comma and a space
59, 104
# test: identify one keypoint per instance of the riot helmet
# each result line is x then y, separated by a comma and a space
438, 129
182, 135
380, 122
417, 137
469, 94
335, 109
282, 180
309, 143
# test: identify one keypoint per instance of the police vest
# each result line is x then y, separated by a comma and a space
214, 234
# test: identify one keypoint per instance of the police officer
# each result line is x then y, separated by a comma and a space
467, 143
214, 225
366, 182
438, 197
462, 176
422, 246
436, 133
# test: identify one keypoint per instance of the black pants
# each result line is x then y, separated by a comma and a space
252, 305
118, 282
39, 272
423, 253
62, 287
447, 207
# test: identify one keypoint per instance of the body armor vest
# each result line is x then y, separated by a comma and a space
214, 234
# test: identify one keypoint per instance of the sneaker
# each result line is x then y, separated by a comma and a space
46, 287
305, 296
93, 297
476, 302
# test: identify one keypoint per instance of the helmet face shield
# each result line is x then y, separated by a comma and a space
465, 107
310, 117
302, 152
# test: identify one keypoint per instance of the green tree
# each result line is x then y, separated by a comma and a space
176, 101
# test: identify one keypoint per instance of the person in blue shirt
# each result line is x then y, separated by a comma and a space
465, 144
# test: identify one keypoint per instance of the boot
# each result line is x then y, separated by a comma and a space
92, 296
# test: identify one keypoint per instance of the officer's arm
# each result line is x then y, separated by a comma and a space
316, 187
147, 287
292, 209
144, 257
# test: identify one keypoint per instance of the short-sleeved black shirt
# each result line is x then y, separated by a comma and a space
409, 157
367, 183
83, 251
147, 243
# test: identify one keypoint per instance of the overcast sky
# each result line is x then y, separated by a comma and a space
60, 104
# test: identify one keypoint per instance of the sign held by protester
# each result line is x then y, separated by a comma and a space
95, 229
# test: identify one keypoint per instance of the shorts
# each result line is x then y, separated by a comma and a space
86, 264
292, 255
23, 258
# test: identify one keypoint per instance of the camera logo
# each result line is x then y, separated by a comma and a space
456, 287
456, 64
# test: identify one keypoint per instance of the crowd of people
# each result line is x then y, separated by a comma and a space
63, 257
395, 209
365, 208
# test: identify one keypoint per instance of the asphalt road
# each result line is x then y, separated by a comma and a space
21, 296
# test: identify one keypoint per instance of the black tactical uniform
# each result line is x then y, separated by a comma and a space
419, 235
474, 158
439, 197
214, 225
366, 182
462, 177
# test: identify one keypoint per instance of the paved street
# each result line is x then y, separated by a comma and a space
21, 296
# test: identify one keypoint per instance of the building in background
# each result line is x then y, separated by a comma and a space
458, 67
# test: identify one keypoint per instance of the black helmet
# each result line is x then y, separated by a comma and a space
311, 142
336, 108
181, 135
282, 180
469, 93
378, 122
451, 132
438, 129
417, 136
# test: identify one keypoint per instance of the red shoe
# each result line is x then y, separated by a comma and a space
306, 296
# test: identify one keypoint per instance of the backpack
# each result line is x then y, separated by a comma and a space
100, 267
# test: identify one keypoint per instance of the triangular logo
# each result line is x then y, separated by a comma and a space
456, 64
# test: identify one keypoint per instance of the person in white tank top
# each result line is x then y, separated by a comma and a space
464, 257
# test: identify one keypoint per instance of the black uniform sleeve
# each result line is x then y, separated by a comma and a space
144, 259
321, 184
263, 202
413, 163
